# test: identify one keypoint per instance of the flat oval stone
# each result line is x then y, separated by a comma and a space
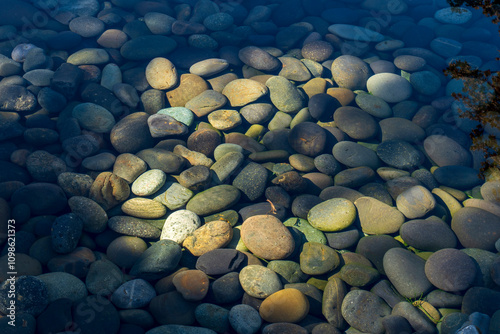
191, 284
125, 250
212, 235
99, 162
93, 117
406, 272
158, 158
376, 217
307, 138
409, 63
158, 260
209, 67
212, 316
287, 305
259, 59
450, 270
373, 105
392, 88
224, 119
149, 182
428, 235
179, 225
143, 208
458, 177
332, 215
355, 155
415, 202
133, 294
131, 134
259, 281
349, 120
293, 69
161, 73
251, 181
206, 102
245, 319
134, 227
354, 177
284, 95
450, 15
89, 56
161, 125
350, 72
267, 237
490, 191
318, 259
445, 151
397, 128
476, 228
213, 200
93, 216
355, 33
364, 311
63, 285
399, 154
147, 47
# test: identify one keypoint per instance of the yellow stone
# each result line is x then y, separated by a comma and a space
287, 305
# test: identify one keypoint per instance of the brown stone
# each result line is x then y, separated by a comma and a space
108, 190
287, 305
376, 217
212, 235
161, 73
190, 86
204, 141
241, 92
192, 284
144, 208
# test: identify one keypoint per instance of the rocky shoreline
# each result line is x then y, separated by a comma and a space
244, 167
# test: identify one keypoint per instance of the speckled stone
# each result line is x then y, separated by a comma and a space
364, 311
428, 235
149, 182
284, 95
213, 200
213, 317
133, 227
206, 102
144, 208
31, 295
317, 259
66, 231
133, 294
476, 228
191, 284
259, 281
158, 260
244, 319
161, 73
179, 225
93, 216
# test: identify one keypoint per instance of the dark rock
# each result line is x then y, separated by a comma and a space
417, 319
399, 154
374, 248
66, 231
348, 119
31, 296
107, 320
134, 227
66, 80
55, 317
364, 311
220, 261
158, 260
227, 289
42, 198
16, 98
476, 228
148, 47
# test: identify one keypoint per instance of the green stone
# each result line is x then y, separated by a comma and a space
359, 275
213, 200
288, 271
180, 114
310, 233
229, 216
332, 215
317, 259
173, 195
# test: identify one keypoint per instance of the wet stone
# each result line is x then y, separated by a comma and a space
136, 293
206, 102
244, 318
31, 295
158, 260
399, 154
213, 317
191, 284
94, 218
129, 167
44, 167
212, 235
179, 225
108, 190
450, 270
132, 226
215, 199
227, 288
220, 261
143, 208
415, 202
364, 311
348, 120
476, 228
284, 95
428, 235
66, 231
259, 281
317, 259
377, 217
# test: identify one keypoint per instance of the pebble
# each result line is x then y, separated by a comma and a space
259, 59
149, 182
93, 217
332, 215
213, 200
212, 235
158, 260
355, 155
206, 102
125, 250
346, 118
213, 317
399, 154
425, 82
428, 235
377, 217
355, 33
191, 284
364, 311
450, 270
143, 208
65, 232
220, 261
133, 226
470, 223
451, 16
161, 74
415, 202
179, 225
99, 162
259, 281
121, 134
287, 305
244, 319
31, 295
318, 259
133, 294
373, 105
350, 72
284, 95
390, 87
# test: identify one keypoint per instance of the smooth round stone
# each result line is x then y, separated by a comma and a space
158, 260
179, 225
399, 154
293, 69
158, 158
450, 270
397, 128
30, 295
224, 119
406, 272
63, 285
350, 72
202, 41
172, 308
218, 21
307, 138
66, 231
318, 259
209, 67
212, 235
453, 15
259, 59
392, 88
173, 195
321, 106
482, 300
220, 261
86, 26
213, 200
409, 63
227, 289
382, 66
191, 284
458, 177
244, 319
267, 237
213, 317
16, 98
284, 95
287, 305
134, 227
44, 166
147, 47
327, 164
103, 277
373, 105
133, 294
241, 92
125, 250
354, 177
161, 74
428, 235
425, 82
358, 275
364, 311
204, 141
100, 162
490, 191
259, 281
162, 125
159, 23
94, 218
38, 77
112, 38
476, 228
129, 167
149, 182
318, 51
288, 271
40, 136
355, 155
445, 151
332, 215
206, 102
303, 203
93, 117
377, 217
355, 33
415, 202
348, 119
446, 47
